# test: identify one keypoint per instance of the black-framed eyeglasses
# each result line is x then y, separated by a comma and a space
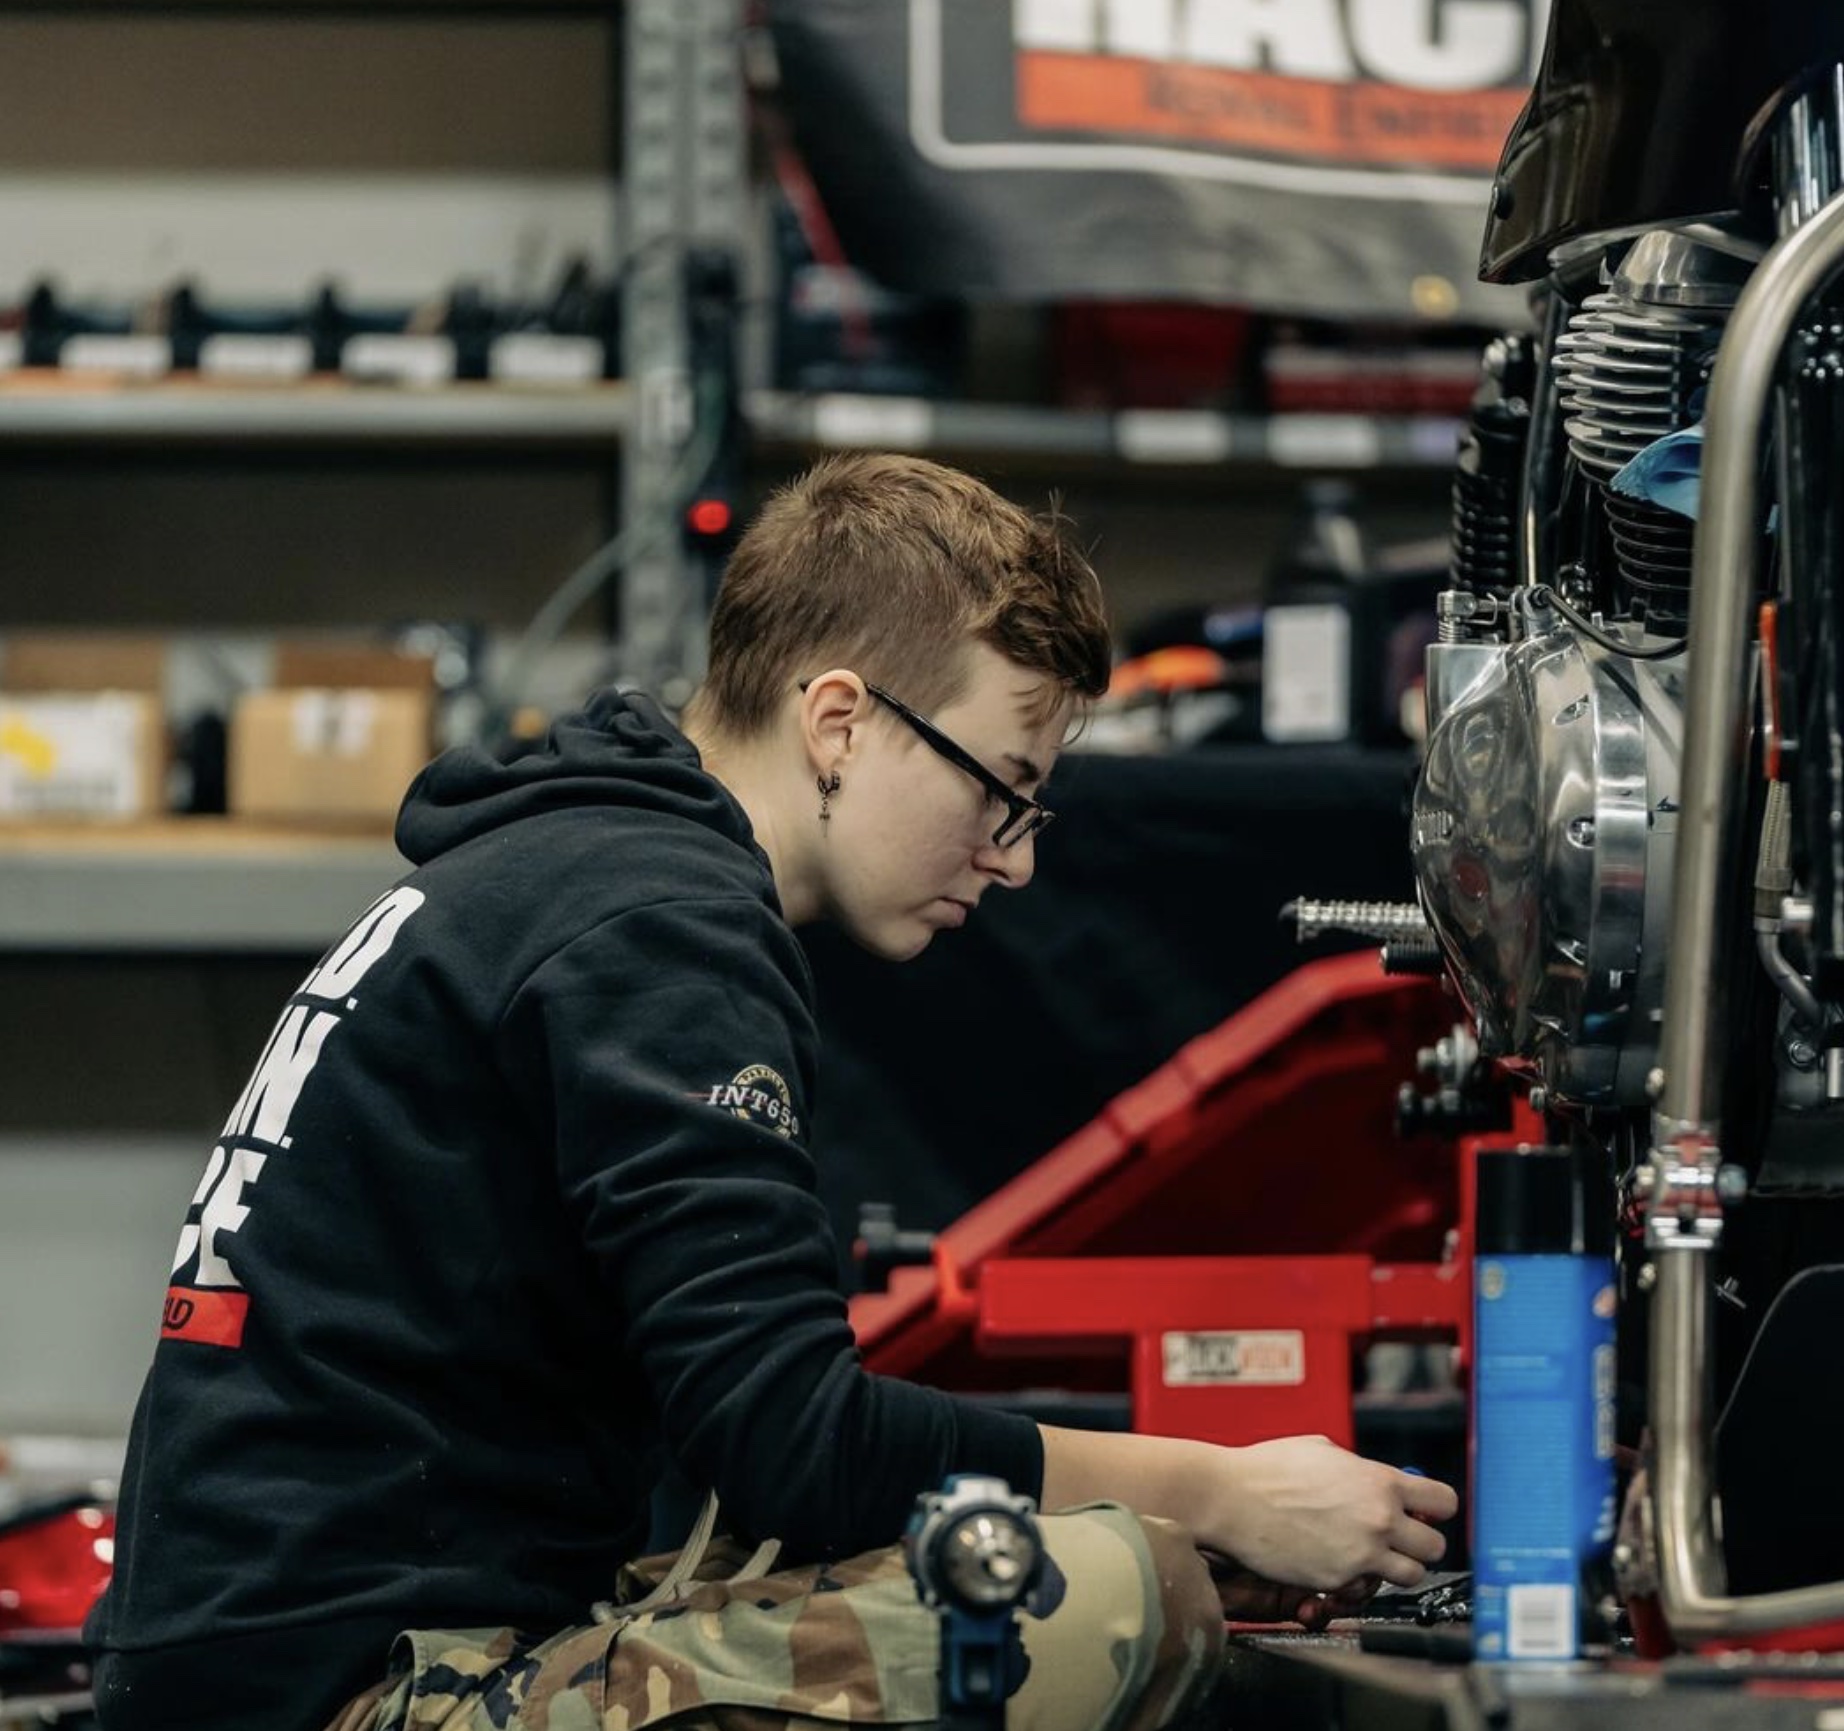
1023, 816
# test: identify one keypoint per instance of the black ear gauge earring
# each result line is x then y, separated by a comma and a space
828, 786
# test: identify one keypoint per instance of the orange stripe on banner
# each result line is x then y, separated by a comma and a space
1357, 123
213, 1318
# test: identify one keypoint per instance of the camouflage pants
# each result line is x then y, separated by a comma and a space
1131, 1646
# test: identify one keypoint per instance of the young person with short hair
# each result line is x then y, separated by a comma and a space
518, 1202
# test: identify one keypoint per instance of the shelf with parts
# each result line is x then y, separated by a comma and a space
1135, 438
46, 407
185, 884
41, 407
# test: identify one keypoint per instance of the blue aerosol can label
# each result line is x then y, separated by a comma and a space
1543, 1448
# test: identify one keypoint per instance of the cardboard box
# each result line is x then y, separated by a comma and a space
336, 663
82, 724
327, 755
82, 754
69, 661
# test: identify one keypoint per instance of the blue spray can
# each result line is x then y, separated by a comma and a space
1543, 1402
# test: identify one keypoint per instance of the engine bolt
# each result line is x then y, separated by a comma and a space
1648, 1276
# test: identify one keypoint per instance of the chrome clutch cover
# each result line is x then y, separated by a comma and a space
1544, 823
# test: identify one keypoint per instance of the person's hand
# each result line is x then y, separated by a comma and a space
1303, 1510
1251, 1598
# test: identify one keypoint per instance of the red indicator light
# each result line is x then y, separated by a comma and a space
709, 517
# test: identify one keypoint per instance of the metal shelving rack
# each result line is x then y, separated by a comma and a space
193, 887
685, 169
49, 412
196, 886
188, 886
1179, 438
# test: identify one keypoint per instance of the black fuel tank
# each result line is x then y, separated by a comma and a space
1639, 114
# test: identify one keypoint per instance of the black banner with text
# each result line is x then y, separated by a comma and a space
1328, 157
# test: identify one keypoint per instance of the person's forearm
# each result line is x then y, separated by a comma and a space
1167, 1476
1293, 1509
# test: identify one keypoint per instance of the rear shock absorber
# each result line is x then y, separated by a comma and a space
1489, 469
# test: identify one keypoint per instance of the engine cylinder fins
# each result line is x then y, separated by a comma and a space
1627, 375
1653, 548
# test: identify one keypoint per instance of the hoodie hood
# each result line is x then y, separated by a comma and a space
620, 750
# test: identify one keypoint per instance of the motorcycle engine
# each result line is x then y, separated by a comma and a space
1543, 829
1544, 822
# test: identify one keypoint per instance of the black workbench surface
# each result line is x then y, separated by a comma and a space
1295, 1682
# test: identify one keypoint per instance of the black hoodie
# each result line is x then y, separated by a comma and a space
517, 1197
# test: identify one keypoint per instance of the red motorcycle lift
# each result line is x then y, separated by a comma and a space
1221, 1239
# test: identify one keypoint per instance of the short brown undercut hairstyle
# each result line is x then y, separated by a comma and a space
892, 565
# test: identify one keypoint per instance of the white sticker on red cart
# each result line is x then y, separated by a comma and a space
1201, 1360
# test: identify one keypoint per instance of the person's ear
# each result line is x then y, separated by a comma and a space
833, 708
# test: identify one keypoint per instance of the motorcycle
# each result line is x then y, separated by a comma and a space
1628, 829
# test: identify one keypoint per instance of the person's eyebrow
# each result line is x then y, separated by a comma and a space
1031, 771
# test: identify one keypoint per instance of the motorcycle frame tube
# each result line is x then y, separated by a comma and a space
1692, 1578
1537, 502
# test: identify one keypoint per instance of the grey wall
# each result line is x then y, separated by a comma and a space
265, 154
87, 1230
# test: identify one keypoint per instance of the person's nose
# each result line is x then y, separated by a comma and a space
1012, 867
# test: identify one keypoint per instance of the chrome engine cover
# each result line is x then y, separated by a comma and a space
1544, 823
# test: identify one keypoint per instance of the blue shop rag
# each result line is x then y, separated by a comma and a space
1667, 472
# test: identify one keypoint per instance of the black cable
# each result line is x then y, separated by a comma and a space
1543, 596
632, 540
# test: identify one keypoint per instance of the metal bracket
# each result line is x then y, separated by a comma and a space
1685, 1188
684, 177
